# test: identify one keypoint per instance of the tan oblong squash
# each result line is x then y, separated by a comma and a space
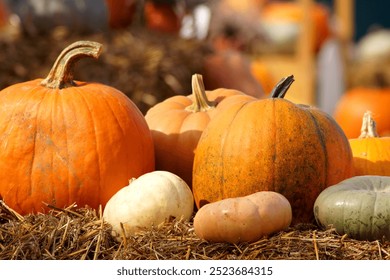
371, 153
243, 219
271, 145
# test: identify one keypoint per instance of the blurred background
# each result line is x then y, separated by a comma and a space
338, 51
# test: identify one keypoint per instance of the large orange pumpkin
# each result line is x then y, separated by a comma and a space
178, 122
355, 102
65, 141
371, 153
271, 145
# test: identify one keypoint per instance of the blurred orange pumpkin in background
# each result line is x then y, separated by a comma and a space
121, 12
281, 22
161, 17
355, 102
3, 14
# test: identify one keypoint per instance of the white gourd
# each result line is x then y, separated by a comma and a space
149, 201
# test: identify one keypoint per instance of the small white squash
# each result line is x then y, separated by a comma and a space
149, 201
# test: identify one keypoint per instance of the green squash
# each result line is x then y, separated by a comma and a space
358, 206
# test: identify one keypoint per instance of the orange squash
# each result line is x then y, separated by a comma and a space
371, 153
178, 122
3, 14
120, 12
271, 145
66, 141
355, 102
243, 219
161, 17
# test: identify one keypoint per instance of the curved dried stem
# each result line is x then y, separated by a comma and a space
61, 74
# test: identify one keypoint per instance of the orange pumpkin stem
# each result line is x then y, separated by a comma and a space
281, 88
61, 74
201, 103
368, 129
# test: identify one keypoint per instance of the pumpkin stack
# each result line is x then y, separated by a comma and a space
65, 141
271, 145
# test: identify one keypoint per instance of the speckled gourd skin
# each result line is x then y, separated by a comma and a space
358, 207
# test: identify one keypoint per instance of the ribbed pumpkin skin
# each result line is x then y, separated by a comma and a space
77, 144
371, 156
358, 206
271, 145
176, 130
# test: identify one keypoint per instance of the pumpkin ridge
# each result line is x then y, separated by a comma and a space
237, 111
275, 146
108, 105
66, 138
323, 145
84, 99
31, 176
375, 210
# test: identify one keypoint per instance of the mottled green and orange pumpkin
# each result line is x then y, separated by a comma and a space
271, 145
66, 141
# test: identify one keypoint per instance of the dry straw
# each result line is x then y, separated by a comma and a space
82, 234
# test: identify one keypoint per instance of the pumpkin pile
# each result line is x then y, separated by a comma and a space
231, 167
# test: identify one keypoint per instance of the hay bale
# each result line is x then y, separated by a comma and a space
82, 234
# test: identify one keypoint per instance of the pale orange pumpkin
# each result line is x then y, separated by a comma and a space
178, 122
355, 102
66, 141
271, 145
243, 219
371, 153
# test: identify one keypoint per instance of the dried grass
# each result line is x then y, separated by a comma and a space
146, 66
82, 234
